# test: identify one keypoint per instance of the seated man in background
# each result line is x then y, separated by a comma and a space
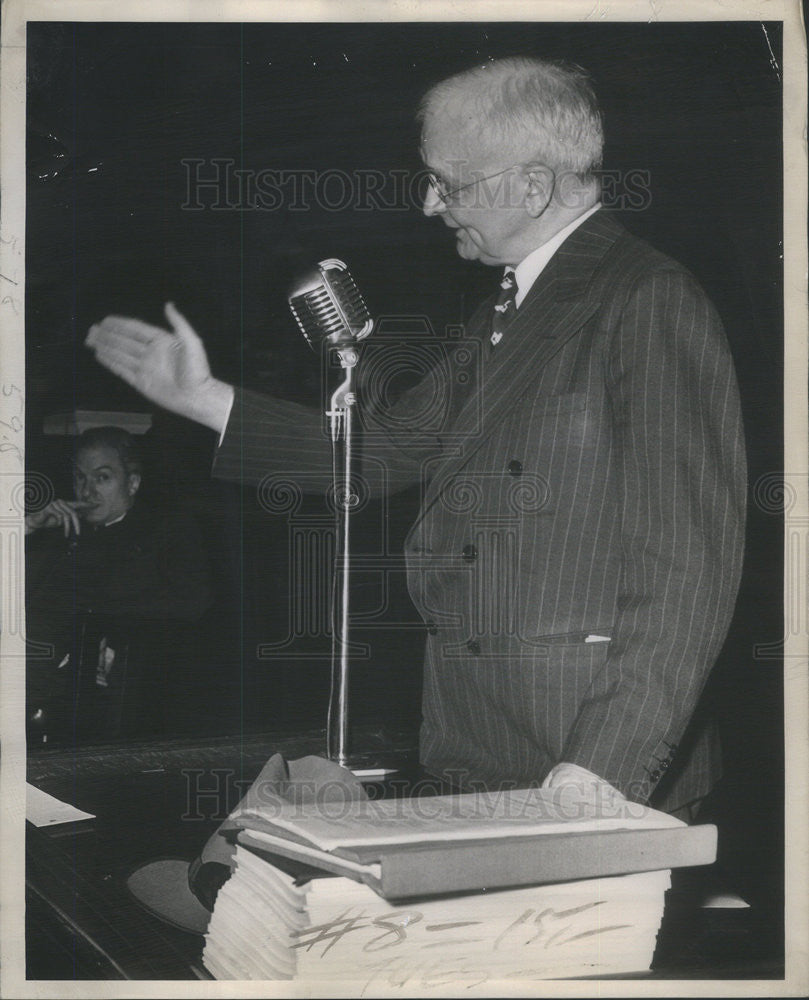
113, 589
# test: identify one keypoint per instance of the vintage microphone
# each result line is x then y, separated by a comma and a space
331, 311
328, 305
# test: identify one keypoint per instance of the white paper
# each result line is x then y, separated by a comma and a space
478, 815
42, 809
334, 931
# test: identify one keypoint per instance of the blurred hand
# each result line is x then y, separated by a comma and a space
168, 368
58, 513
580, 789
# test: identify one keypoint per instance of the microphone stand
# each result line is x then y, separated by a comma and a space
340, 412
330, 311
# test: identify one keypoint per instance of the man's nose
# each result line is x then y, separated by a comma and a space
433, 205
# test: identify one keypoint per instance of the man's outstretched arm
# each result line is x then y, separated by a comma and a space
258, 434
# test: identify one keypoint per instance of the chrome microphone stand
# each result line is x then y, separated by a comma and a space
342, 404
332, 314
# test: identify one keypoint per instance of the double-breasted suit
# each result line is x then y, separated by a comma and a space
578, 548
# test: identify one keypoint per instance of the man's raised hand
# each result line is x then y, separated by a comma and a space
58, 513
168, 368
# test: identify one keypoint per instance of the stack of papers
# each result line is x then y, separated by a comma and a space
338, 935
480, 894
258, 914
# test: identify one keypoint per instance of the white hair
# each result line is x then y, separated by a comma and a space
533, 108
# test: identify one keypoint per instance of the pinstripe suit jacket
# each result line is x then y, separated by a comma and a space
587, 482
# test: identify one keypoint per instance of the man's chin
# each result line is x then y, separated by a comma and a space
468, 249
466, 246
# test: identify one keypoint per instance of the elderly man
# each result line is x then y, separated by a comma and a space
576, 603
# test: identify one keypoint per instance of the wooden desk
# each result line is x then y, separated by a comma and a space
164, 800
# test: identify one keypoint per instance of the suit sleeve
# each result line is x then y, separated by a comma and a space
289, 443
265, 435
679, 452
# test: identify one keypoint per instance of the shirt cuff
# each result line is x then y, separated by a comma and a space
573, 774
223, 431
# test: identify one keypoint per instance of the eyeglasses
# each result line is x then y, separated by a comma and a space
440, 186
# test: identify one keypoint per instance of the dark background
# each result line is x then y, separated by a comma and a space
114, 109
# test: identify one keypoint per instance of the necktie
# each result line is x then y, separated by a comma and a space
504, 308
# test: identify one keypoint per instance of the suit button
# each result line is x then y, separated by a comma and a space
664, 765
655, 775
469, 552
515, 467
473, 646
432, 628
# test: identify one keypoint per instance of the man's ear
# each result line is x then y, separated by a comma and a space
540, 188
133, 485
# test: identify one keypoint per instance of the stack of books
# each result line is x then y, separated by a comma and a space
479, 892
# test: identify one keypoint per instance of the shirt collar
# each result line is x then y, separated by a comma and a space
530, 267
116, 520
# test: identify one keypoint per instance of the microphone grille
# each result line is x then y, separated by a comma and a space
317, 315
350, 299
328, 305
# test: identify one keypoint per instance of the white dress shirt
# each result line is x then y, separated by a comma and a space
530, 268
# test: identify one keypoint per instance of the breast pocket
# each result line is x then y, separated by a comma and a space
558, 420
548, 436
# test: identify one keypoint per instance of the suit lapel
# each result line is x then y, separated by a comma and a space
559, 303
